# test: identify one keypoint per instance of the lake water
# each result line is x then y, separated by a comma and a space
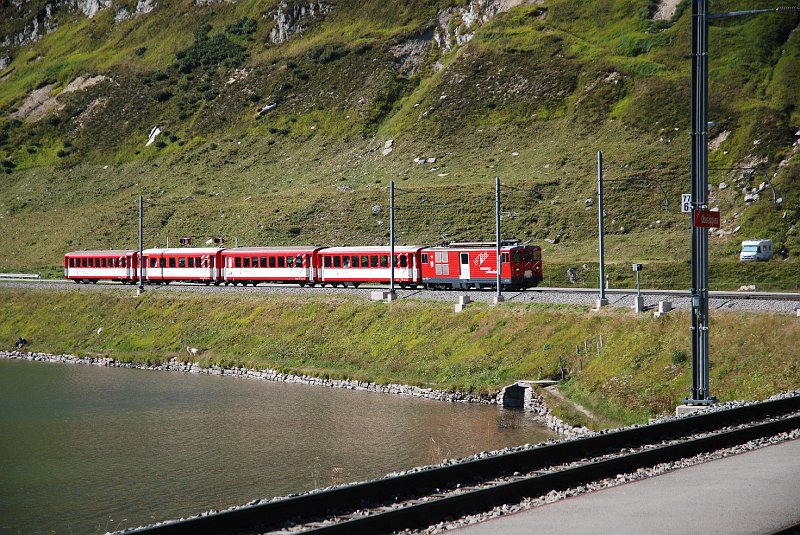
85, 449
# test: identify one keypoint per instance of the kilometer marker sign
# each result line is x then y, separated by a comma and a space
706, 218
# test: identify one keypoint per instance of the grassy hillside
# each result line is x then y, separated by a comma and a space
530, 98
634, 366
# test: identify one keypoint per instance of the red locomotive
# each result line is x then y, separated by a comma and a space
455, 265
474, 265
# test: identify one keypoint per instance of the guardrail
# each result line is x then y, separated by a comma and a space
20, 276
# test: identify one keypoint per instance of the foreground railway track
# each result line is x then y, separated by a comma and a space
419, 499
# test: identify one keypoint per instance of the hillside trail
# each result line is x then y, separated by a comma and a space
580, 408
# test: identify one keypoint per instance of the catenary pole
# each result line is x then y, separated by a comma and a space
140, 289
497, 226
600, 226
391, 237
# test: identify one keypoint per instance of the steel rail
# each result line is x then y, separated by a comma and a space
319, 505
424, 514
716, 294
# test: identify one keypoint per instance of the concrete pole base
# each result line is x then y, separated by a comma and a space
638, 304
600, 303
497, 299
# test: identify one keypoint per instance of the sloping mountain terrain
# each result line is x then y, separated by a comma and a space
277, 122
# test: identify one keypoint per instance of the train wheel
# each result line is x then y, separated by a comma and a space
302, 284
356, 284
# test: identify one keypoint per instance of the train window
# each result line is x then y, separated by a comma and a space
337, 261
71, 262
504, 258
403, 261
254, 261
246, 262
281, 262
263, 262
384, 261
103, 262
298, 261
326, 261
445, 269
373, 261
162, 262
123, 262
91, 262
172, 262
182, 262
272, 261
364, 261
354, 262
464, 258
424, 258
346, 261
289, 261
191, 262
237, 262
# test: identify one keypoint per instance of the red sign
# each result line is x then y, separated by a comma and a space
706, 218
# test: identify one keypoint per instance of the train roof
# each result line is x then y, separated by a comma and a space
287, 249
110, 252
371, 249
481, 245
184, 251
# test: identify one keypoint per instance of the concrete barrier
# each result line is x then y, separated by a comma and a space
463, 301
663, 308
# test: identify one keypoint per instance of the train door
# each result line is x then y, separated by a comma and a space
464, 261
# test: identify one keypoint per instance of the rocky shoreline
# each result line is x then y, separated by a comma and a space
535, 404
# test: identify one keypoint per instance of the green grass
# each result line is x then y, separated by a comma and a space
619, 366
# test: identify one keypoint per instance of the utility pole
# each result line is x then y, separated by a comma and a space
391, 239
140, 288
499, 297
699, 170
603, 301
699, 175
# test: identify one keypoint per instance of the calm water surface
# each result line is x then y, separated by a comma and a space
85, 449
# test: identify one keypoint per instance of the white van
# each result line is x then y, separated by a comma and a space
756, 250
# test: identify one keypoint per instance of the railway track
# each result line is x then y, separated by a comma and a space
419, 499
734, 295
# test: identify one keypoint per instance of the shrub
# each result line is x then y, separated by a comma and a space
243, 27
678, 357
326, 53
217, 50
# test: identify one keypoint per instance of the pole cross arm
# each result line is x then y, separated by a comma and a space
730, 14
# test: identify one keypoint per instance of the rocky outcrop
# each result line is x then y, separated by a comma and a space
42, 22
296, 18
456, 25
41, 101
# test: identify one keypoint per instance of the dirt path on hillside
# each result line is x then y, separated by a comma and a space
580, 408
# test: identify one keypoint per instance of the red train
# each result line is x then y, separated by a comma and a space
455, 265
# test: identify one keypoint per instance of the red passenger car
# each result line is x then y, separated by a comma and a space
474, 265
92, 266
188, 264
252, 265
350, 266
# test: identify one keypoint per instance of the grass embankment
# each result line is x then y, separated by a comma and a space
623, 367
